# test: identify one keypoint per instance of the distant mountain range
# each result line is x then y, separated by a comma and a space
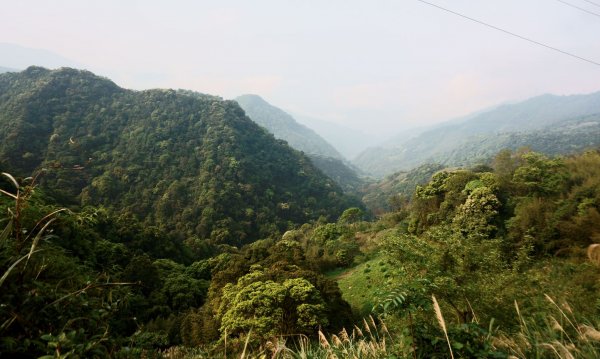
548, 123
7, 69
14, 56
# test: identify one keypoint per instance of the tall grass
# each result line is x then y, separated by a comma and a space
558, 335
442, 322
370, 340
13, 229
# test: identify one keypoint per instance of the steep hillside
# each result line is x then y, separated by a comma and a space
348, 141
393, 191
542, 123
285, 127
339, 171
193, 165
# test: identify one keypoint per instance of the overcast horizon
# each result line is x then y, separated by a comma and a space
379, 67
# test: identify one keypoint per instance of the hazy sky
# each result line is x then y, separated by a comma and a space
378, 66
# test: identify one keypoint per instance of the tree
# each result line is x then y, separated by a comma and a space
474, 217
270, 308
351, 215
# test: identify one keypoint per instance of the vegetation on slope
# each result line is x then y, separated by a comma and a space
395, 190
132, 294
284, 127
191, 164
548, 124
508, 253
339, 171
482, 241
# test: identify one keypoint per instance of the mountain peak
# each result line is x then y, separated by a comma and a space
193, 164
250, 97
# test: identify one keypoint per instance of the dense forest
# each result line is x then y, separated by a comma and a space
191, 164
166, 224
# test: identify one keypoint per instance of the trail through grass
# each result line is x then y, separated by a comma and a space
360, 284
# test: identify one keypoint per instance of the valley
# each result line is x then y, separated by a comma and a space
174, 224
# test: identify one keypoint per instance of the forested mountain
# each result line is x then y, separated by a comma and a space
341, 172
285, 127
548, 123
190, 164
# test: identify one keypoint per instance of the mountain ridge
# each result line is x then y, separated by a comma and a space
195, 165
285, 127
536, 115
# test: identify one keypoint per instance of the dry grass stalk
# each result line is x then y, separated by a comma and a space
374, 348
12, 179
37, 239
560, 310
225, 343
442, 322
344, 336
505, 342
246, 344
363, 348
358, 331
366, 326
551, 347
9, 194
323, 340
374, 325
336, 341
520, 316
473, 312
589, 333
556, 325
10, 269
523, 341
384, 328
563, 351
567, 307
593, 253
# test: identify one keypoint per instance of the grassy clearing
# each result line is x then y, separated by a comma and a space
360, 284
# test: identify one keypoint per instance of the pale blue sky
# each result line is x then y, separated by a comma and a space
378, 66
